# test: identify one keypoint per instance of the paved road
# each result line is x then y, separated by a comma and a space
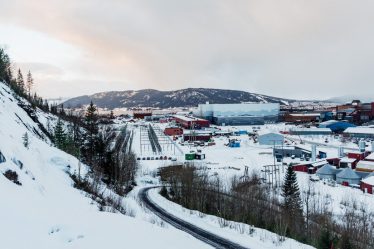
201, 234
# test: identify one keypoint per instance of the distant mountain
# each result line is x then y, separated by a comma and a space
349, 98
164, 99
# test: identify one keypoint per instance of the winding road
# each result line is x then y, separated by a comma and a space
199, 233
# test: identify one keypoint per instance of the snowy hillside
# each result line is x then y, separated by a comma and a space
165, 99
40, 208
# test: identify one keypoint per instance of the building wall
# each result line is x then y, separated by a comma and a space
205, 138
271, 139
173, 131
239, 120
367, 188
315, 133
239, 114
327, 177
350, 181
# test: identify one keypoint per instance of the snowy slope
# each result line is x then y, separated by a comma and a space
165, 99
46, 211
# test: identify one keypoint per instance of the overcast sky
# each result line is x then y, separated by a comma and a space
299, 49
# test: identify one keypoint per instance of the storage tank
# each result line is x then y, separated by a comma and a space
341, 152
314, 152
361, 145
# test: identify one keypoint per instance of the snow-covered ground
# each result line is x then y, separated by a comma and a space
47, 212
245, 235
227, 162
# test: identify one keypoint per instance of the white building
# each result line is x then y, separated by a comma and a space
239, 114
271, 139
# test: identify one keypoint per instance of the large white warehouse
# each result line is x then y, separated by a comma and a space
239, 114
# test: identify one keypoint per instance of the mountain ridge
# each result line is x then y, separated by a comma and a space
186, 97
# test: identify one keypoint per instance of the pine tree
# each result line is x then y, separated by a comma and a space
291, 192
25, 139
5, 71
60, 135
292, 205
20, 82
91, 123
29, 83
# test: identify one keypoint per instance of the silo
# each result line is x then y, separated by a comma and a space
341, 151
314, 152
361, 145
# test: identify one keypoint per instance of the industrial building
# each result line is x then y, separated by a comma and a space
348, 177
239, 114
360, 132
197, 135
327, 172
141, 114
365, 166
298, 152
191, 122
173, 131
310, 131
271, 139
301, 117
336, 126
367, 184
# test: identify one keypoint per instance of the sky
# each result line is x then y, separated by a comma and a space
291, 48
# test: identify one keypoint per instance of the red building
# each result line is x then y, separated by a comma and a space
191, 122
358, 155
301, 117
197, 136
367, 184
140, 114
173, 131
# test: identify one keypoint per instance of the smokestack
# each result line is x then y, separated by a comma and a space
314, 152
361, 145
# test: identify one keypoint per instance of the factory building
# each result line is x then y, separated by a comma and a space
336, 126
327, 172
239, 114
360, 132
197, 135
301, 117
310, 131
348, 177
173, 131
141, 114
367, 184
271, 139
191, 122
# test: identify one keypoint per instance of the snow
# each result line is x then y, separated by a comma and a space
370, 157
236, 232
359, 130
47, 212
369, 180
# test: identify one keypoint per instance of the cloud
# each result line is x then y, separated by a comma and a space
298, 49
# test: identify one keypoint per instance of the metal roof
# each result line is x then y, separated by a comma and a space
326, 169
348, 173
